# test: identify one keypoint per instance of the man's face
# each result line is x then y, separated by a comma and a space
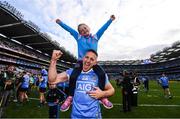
89, 60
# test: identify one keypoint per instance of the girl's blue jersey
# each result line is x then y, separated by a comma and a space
86, 43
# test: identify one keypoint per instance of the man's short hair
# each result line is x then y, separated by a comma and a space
93, 51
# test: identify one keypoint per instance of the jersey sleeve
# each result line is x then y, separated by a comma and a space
68, 72
107, 80
73, 32
103, 28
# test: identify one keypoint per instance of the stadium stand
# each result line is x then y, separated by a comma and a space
22, 43
167, 60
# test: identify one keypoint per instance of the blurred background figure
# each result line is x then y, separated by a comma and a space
145, 81
126, 91
7, 85
43, 79
135, 82
164, 81
24, 87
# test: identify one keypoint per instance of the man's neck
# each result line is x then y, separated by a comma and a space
86, 71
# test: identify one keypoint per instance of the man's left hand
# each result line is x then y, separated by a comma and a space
97, 93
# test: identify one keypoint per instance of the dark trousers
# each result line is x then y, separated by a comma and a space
126, 102
54, 111
64, 89
76, 72
134, 99
4, 100
146, 85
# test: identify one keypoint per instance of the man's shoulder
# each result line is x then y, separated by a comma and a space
69, 71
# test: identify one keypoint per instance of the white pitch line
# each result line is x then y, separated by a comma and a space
150, 105
33, 98
155, 105
141, 105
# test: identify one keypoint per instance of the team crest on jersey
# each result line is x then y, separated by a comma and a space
84, 77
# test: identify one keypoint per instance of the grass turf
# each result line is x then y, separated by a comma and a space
150, 105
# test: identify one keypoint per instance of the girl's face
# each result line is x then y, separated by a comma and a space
84, 30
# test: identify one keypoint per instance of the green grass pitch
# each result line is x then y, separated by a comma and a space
150, 105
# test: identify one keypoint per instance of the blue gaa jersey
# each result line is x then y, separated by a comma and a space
44, 72
86, 42
85, 106
164, 81
25, 81
43, 83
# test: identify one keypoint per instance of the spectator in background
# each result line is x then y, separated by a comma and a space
8, 79
126, 91
24, 87
1, 92
1, 82
43, 79
54, 98
164, 81
19, 78
146, 83
64, 86
135, 81
31, 82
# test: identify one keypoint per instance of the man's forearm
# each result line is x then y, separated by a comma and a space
52, 72
109, 92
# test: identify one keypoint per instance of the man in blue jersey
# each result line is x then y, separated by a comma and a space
164, 81
145, 80
24, 86
87, 91
85, 40
43, 79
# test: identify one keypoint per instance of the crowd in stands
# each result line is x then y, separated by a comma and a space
22, 55
15, 47
153, 70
